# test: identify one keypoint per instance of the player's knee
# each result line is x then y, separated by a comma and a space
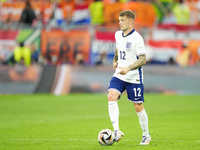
138, 107
111, 96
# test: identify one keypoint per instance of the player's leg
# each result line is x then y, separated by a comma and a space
143, 120
114, 91
135, 94
113, 108
114, 113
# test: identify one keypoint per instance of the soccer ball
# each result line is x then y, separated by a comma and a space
106, 137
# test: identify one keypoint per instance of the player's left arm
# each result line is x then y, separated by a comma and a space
138, 63
141, 61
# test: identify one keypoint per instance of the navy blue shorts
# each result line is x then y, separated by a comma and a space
134, 91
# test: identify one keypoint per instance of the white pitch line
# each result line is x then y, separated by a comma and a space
32, 139
126, 140
48, 139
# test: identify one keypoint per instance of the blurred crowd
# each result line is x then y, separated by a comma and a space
64, 13
94, 12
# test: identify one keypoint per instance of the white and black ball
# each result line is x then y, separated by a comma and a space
106, 137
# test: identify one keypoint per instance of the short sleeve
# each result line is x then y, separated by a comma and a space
140, 46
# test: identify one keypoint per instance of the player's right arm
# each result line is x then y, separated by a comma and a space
115, 59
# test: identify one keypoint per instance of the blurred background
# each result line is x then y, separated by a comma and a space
67, 46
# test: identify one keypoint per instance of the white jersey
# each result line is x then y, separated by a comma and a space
129, 48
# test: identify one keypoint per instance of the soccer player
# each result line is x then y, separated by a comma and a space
129, 57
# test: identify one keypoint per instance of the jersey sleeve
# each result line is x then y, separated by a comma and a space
140, 46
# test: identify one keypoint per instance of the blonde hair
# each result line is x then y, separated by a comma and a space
127, 13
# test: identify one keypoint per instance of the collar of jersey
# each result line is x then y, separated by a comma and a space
128, 33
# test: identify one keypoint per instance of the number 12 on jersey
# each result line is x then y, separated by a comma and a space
122, 55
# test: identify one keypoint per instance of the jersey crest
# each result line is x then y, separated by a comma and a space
128, 46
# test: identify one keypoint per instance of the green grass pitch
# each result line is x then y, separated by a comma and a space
72, 122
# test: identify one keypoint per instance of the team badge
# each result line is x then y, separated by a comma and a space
128, 46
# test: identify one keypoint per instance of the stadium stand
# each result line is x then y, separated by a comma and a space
76, 32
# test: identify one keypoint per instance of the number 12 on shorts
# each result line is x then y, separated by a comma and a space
137, 92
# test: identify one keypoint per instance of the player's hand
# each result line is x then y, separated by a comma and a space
124, 70
115, 64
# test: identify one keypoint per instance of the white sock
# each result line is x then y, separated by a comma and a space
114, 114
143, 120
